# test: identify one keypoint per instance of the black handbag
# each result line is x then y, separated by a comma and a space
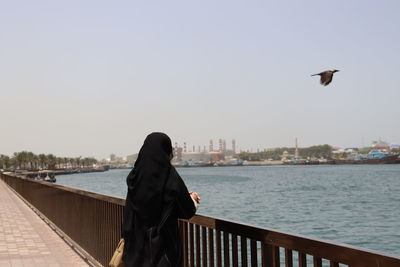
155, 248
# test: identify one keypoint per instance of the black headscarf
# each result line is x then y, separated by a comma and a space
146, 182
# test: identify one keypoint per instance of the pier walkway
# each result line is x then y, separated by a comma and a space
92, 223
26, 240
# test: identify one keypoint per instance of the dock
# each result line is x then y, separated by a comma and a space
27, 240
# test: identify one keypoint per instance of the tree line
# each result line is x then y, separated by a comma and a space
320, 151
29, 161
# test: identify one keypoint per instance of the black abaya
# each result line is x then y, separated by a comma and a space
156, 196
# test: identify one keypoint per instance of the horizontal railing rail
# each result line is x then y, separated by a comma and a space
93, 221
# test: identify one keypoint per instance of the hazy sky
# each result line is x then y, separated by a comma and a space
90, 78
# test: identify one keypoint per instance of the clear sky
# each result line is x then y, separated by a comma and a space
90, 78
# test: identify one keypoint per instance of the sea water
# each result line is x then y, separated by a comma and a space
353, 204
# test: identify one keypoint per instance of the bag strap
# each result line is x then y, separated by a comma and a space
166, 211
165, 216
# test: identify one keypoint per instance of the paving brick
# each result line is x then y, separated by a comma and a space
26, 240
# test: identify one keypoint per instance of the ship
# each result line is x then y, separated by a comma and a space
375, 156
188, 164
298, 161
47, 176
229, 163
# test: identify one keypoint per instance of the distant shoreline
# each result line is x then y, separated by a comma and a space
35, 173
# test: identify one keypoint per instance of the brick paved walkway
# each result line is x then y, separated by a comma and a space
26, 240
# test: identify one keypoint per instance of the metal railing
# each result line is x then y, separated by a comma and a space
215, 242
94, 222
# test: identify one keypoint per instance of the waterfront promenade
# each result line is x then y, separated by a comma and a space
26, 240
92, 222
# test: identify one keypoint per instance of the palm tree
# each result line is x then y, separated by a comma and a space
20, 159
59, 162
51, 162
4, 162
42, 160
66, 160
13, 164
71, 162
31, 159
1, 162
93, 161
78, 162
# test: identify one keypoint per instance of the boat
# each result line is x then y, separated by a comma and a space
50, 178
188, 164
231, 162
46, 176
300, 161
375, 156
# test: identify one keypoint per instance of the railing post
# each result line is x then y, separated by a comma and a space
253, 252
302, 260
204, 245
235, 259
191, 240
226, 249
243, 250
211, 247
266, 255
317, 261
288, 258
219, 248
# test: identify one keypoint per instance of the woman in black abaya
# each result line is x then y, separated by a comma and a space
156, 198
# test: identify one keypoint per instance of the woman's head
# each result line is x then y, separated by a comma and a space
156, 141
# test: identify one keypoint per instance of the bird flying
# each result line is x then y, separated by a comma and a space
326, 76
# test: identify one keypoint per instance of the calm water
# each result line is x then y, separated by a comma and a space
357, 205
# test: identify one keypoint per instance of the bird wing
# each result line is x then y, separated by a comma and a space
326, 78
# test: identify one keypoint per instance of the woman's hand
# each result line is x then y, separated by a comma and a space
195, 196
